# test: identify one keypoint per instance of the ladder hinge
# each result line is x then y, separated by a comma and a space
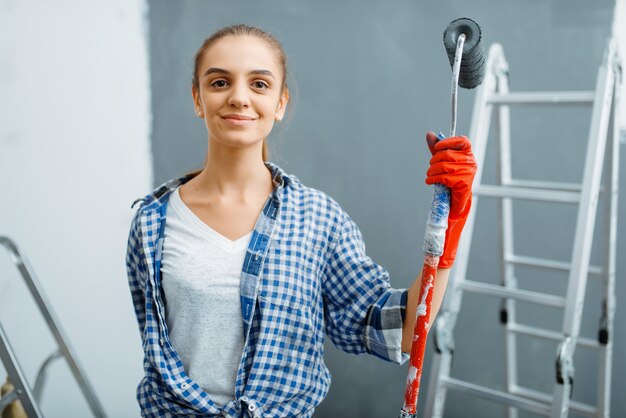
565, 365
603, 336
603, 332
444, 340
504, 313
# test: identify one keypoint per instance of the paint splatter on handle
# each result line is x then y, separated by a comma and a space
420, 335
434, 239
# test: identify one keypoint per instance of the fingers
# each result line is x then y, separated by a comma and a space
454, 167
453, 164
452, 180
454, 156
431, 140
452, 174
460, 143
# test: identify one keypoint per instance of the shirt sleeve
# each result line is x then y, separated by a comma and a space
362, 312
136, 271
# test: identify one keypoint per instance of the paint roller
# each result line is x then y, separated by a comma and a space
463, 42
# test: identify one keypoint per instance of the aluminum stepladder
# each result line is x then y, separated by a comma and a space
22, 392
494, 97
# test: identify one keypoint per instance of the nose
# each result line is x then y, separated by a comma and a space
239, 95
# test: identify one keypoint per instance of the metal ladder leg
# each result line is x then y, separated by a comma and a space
584, 234
22, 391
64, 348
605, 333
507, 268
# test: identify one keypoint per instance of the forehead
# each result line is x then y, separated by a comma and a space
241, 52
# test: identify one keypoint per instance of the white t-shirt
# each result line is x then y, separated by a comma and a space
201, 272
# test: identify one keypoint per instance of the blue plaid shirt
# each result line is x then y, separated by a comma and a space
305, 272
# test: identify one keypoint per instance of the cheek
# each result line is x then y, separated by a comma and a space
270, 107
209, 101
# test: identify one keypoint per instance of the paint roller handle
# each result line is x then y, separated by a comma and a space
452, 170
446, 156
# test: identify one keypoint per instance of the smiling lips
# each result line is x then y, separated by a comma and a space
238, 120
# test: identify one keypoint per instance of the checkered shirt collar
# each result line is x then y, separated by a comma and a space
279, 178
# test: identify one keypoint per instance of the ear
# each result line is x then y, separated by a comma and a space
197, 103
282, 104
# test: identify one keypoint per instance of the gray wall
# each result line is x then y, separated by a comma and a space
369, 79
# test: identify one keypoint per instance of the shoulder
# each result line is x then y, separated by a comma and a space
146, 219
160, 194
309, 201
318, 200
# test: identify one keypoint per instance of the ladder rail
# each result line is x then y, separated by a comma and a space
53, 323
504, 177
585, 224
609, 262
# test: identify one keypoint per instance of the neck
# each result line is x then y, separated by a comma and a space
235, 172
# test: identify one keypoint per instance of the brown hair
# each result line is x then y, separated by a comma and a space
240, 30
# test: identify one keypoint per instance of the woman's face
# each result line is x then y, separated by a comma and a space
239, 94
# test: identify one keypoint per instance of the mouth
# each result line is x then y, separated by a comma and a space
238, 120
233, 117
238, 116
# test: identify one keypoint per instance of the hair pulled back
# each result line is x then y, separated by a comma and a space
241, 30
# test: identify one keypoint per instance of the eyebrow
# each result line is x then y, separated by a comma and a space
223, 71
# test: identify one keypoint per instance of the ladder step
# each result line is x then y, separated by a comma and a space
544, 97
518, 294
549, 335
537, 407
579, 407
8, 398
549, 264
536, 184
557, 196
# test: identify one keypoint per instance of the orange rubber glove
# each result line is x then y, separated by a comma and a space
454, 166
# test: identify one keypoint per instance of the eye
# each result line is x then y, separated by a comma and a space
219, 83
260, 85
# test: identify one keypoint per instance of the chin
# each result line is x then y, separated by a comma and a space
239, 141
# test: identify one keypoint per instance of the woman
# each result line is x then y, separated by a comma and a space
236, 288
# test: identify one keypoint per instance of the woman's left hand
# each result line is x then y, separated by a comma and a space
453, 165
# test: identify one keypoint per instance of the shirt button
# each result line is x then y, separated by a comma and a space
251, 408
161, 341
184, 385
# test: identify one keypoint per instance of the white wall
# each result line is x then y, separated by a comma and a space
74, 154
619, 31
